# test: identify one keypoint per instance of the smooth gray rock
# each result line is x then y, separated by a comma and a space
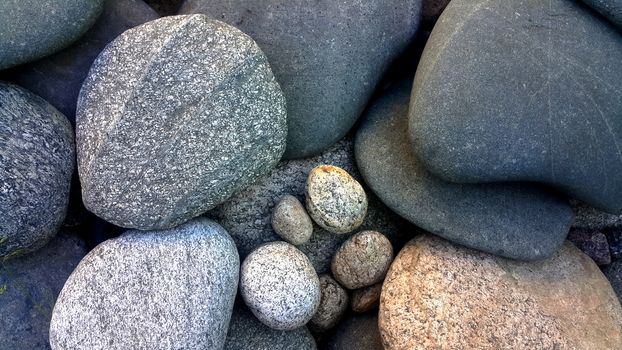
613, 273
518, 221
246, 333
280, 286
328, 56
175, 116
162, 289
31, 29
333, 305
29, 286
36, 162
522, 91
290, 220
246, 215
357, 332
611, 9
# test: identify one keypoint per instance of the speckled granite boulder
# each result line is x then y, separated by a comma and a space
29, 286
246, 333
514, 220
549, 125
611, 9
172, 288
36, 163
472, 300
31, 29
328, 56
246, 215
175, 116
358, 332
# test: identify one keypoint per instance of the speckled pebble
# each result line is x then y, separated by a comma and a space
362, 260
175, 116
291, 222
335, 200
280, 286
365, 299
333, 305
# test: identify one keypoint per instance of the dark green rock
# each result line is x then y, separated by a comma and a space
522, 91
31, 29
519, 221
611, 9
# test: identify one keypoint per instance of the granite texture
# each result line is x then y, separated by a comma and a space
557, 121
328, 56
471, 300
333, 305
593, 243
358, 332
29, 286
31, 29
171, 289
175, 116
280, 286
36, 163
366, 298
290, 221
519, 221
610, 9
613, 273
246, 215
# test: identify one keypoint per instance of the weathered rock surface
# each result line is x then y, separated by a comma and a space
171, 288
357, 332
611, 9
291, 222
469, 299
175, 116
365, 299
333, 305
36, 163
519, 221
613, 273
593, 243
328, 56
557, 121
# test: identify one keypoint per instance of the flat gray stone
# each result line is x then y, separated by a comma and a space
327, 55
547, 106
29, 286
172, 288
36, 163
31, 29
519, 221
175, 116
611, 9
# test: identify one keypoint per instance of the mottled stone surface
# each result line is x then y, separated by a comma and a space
246, 215
175, 116
611, 9
29, 286
593, 243
473, 300
247, 332
31, 29
365, 299
36, 162
362, 260
280, 286
291, 222
613, 273
558, 121
592, 218
614, 240
328, 56
171, 288
358, 332
333, 305
519, 221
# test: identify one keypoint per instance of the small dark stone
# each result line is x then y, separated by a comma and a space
592, 243
614, 238
358, 332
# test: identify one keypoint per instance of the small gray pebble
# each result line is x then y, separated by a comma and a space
335, 200
365, 299
333, 305
280, 286
291, 221
362, 260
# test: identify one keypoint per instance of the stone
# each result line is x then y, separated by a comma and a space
613, 273
36, 163
280, 286
247, 215
557, 122
335, 200
328, 56
592, 218
362, 260
172, 288
431, 10
518, 221
291, 222
175, 116
333, 305
366, 299
614, 241
165, 7
473, 300
592, 243
246, 332
29, 286
31, 29
357, 332
610, 9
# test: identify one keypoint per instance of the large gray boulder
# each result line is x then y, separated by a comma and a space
175, 116
36, 163
172, 288
611, 9
522, 91
328, 56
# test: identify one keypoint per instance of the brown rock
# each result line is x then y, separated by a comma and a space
290, 220
365, 299
333, 305
439, 295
